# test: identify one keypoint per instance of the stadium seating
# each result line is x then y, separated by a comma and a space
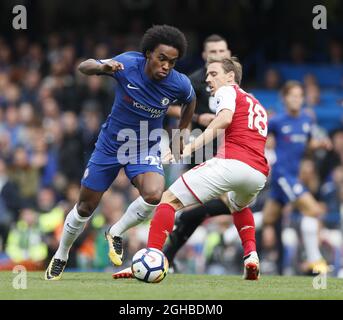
329, 76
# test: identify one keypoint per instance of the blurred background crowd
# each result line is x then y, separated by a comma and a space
50, 117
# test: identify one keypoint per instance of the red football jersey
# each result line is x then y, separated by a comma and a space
246, 136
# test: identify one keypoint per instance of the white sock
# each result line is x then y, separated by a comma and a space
138, 211
309, 229
73, 226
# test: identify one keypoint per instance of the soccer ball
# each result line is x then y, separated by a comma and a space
149, 265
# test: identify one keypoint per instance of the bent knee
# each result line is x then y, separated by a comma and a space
152, 195
85, 209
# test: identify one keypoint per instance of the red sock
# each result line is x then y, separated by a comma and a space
245, 225
161, 226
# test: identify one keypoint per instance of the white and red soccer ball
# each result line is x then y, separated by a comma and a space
149, 265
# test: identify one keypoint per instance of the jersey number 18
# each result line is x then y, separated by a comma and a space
257, 118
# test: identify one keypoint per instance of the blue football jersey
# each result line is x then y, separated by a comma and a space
291, 135
140, 104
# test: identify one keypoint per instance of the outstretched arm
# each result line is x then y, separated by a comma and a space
98, 67
187, 112
219, 123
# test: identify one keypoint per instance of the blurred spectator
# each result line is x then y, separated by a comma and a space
272, 79
5, 57
71, 196
24, 175
12, 94
50, 109
298, 53
331, 193
27, 115
333, 158
44, 159
30, 89
21, 45
95, 92
10, 203
68, 56
102, 51
90, 127
51, 216
221, 257
308, 175
5, 143
54, 47
4, 83
71, 155
62, 84
25, 245
35, 59
13, 126
310, 79
335, 52
269, 255
312, 96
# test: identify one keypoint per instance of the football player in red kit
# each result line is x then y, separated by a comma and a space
240, 167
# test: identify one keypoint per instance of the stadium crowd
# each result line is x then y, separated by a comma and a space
50, 117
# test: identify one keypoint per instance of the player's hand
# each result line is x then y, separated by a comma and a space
168, 157
187, 151
111, 66
205, 119
327, 144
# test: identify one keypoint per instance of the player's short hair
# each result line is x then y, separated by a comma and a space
289, 85
213, 38
164, 34
229, 64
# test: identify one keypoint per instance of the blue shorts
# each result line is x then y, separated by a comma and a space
286, 189
102, 169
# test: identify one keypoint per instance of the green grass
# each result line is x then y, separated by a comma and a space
182, 287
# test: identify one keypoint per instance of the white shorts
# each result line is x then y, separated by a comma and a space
217, 176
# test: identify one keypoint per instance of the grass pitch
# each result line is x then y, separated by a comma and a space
96, 286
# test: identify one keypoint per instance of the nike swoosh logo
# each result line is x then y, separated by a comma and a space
71, 227
246, 227
141, 216
130, 86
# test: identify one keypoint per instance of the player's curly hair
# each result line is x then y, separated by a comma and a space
164, 34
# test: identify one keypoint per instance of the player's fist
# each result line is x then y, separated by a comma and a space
167, 157
110, 66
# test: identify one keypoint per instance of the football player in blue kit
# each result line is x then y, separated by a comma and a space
146, 84
292, 131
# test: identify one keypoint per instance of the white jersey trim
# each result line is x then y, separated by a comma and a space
225, 98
